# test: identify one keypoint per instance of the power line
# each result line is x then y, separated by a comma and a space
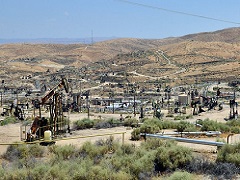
179, 12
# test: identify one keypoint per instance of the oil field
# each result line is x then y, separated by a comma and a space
122, 109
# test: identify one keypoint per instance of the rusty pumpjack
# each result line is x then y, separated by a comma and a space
56, 123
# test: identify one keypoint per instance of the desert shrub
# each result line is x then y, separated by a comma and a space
181, 175
219, 170
154, 143
92, 151
57, 171
199, 165
102, 125
143, 164
179, 118
98, 172
130, 121
127, 149
63, 152
40, 171
121, 162
8, 120
80, 174
151, 126
235, 130
17, 174
136, 163
233, 123
114, 122
191, 128
121, 175
2, 171
183, 126
84, 124
135, 134
169, 124
36, 150
172, 157
230, 154
15, 152
109, 145
223, 171
209, 125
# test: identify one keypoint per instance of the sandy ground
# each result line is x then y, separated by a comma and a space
11, 133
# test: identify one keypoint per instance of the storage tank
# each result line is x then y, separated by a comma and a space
47, 135
183, 99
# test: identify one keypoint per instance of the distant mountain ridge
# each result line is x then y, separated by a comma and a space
225, 35
55, 40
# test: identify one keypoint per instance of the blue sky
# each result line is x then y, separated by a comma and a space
113, 18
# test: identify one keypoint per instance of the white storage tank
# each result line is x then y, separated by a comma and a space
47, 135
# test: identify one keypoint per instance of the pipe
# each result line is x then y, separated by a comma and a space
203, 142
207, 133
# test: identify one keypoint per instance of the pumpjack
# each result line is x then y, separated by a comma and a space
56, 124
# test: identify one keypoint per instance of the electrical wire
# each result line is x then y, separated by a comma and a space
178, 12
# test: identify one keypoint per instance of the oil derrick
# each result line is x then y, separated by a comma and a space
56, 123
233, 109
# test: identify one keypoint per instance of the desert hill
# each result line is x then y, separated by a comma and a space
207, 56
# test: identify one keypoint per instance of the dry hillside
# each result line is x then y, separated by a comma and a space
196, 57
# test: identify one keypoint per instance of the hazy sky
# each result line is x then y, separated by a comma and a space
114, 18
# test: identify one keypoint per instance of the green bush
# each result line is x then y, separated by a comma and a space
2, 171
154, 143
168, 124
151, 126
114, 122
92, 151
84, 124
235, 130
179, 175
233, 123
40, 171
143, 164
135, 134
63, 152
15, 152
172, 157
98, 172
183, 126
230, 154
108, 145
8, 120
18, 174
180, 118
130, 121
121, 175
209, 125
127, 149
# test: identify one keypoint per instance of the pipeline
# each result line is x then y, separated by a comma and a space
194, 141
62, 139
206, 133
